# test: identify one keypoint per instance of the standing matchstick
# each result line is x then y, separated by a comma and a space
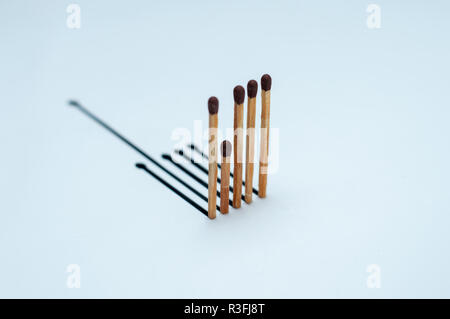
252, 89
225, 176
266, 84
213, 108
239, 96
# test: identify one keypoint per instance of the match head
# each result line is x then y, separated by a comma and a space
225, 147
213, 105
180, 152
252, 88
140, 165
166, 157
266, 82
73, 103
239, 94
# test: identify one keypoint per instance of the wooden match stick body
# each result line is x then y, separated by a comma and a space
225, 177
250, 144
213, 106
239, 98
264, 146
238, 139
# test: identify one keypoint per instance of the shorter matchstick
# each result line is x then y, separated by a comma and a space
225, 176
266, 84
252, 89
239, 97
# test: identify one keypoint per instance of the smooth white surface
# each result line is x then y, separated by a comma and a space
363, 117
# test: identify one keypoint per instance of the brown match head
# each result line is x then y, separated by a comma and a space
239, 94
266, 82
252, 88
225, 147
213, 105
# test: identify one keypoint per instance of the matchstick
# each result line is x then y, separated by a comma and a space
225, 177
239, 96
213, 108
252, 89
266, 84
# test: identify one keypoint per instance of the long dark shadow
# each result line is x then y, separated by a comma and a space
173, 189
188, 172
117, 134
204, 169
133, 146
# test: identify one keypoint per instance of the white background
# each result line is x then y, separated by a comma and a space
363, 174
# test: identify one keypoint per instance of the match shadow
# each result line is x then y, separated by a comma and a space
189, 173
82, 109
204, 169
173, 189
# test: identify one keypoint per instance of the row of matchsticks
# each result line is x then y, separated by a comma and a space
213, 108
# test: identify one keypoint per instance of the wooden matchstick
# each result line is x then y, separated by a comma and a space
225, 177
266, 84
239, 97
252, 89
213, 108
